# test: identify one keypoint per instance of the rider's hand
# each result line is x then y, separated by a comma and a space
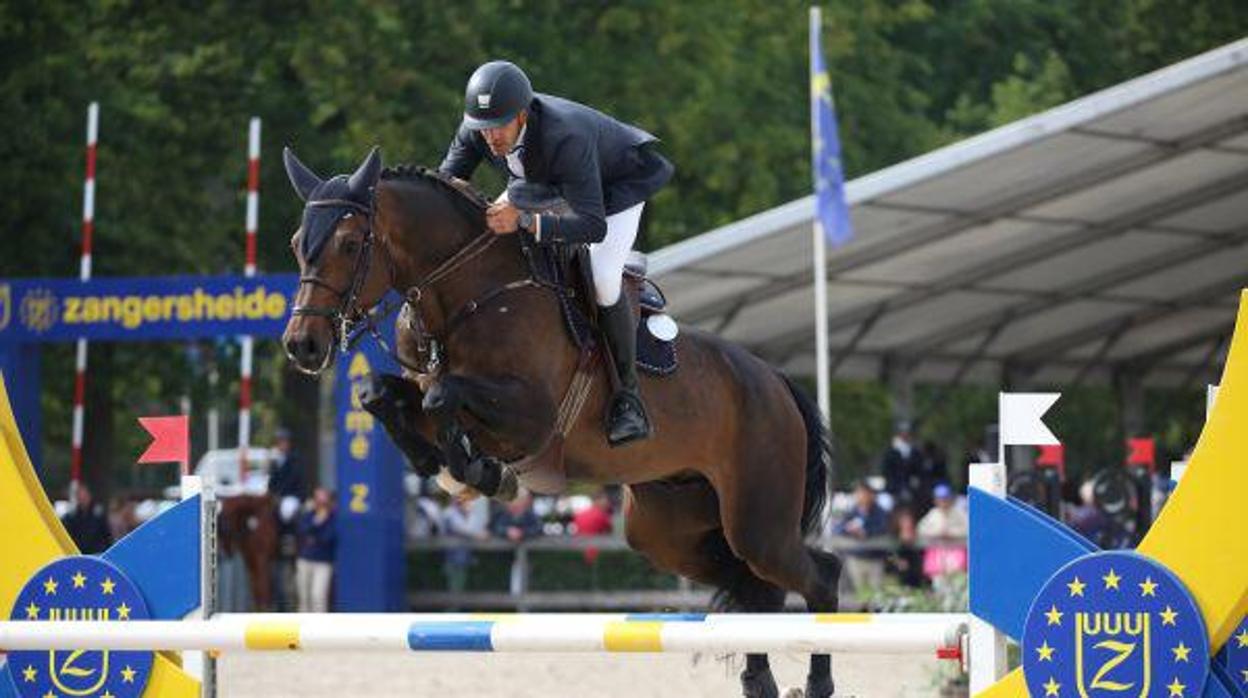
502, 218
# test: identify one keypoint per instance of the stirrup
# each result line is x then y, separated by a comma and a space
637, 426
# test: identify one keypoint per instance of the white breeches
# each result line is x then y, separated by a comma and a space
607, 258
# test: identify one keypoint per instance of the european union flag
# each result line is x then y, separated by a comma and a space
831, 212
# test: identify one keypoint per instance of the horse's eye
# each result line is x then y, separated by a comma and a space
350, 247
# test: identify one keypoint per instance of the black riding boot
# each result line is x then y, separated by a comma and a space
626, 415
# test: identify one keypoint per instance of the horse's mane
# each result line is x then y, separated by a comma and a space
466, 197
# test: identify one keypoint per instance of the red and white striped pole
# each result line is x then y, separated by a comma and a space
249, 270
88, 228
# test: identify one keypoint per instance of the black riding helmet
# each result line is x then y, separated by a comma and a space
496, 92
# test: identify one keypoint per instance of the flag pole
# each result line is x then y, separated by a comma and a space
823, 378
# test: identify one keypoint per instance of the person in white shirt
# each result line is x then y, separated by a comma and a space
944, 530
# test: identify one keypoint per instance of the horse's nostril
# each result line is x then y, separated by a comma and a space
303, 349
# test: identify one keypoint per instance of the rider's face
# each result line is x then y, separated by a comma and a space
502, 139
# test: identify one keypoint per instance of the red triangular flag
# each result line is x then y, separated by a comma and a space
170, 440
1053, 456
1142, 451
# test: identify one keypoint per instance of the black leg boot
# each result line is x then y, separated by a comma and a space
626, 415
387, 397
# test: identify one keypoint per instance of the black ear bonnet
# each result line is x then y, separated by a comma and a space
329, 201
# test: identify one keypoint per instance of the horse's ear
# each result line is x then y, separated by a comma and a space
302, 179
365, 176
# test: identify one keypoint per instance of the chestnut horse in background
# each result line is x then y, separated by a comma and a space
723, 493
247, 526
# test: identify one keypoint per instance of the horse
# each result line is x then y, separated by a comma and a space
247, 525
724, 492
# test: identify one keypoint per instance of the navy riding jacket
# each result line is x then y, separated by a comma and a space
600, 166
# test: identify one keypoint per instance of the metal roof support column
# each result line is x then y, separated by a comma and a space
861, 332
1129, 389
899, 377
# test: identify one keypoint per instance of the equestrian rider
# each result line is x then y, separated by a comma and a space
604, 169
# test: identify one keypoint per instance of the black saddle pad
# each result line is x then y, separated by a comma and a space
555, 264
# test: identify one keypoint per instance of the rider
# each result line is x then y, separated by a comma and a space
604, 169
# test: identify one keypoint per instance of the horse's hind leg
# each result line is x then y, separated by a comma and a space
819, 681
761, 505
677, 527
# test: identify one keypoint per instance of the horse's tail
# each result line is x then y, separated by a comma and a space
818, 457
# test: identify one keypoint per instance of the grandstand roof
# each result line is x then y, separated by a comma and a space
1107, 233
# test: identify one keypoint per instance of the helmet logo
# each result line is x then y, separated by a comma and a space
483, 101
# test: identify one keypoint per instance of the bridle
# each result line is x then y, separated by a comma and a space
344, 317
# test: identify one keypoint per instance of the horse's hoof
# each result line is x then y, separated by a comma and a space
377, 404
454, 487
759, 685
794, 692
485, 474
508, 485
820, 688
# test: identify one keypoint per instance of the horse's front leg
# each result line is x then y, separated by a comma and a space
507, 408
396, 403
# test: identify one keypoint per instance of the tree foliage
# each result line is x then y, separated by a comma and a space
723, 84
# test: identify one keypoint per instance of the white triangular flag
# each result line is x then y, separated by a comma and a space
1022, 422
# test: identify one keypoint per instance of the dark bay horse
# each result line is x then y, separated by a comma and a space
723, 493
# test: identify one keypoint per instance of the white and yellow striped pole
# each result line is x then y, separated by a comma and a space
895, 634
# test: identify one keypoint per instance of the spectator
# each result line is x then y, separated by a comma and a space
933, 471
468, 521
1092, 521
907, 559
286, 476
86, 523
287, 487
517, 521
422, 508
318, 539
944, 529
945, 520
866, 520
122, 518
596, 519
902, 466
423, 517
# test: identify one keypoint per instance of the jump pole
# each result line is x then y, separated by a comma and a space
877, 634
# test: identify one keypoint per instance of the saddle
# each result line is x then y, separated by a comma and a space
568, 268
